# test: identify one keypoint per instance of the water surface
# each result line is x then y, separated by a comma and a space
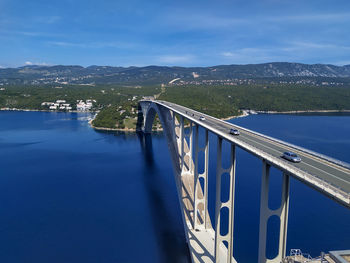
69, 193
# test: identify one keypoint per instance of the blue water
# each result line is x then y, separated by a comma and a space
72, 194
315, 222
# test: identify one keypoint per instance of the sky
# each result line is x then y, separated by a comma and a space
173, 33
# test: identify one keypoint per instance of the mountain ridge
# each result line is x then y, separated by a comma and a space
75, 74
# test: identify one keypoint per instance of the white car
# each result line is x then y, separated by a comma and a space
234, 131
201, 118
290, 156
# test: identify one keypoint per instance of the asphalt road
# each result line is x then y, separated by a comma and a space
330, 172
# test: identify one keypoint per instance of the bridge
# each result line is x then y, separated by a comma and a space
206, 241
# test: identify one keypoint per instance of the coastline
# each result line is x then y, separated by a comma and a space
302, 111
244, 114
110, 129
37, 110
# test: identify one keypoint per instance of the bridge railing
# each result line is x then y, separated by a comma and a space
315, 180
316, 154
311, 178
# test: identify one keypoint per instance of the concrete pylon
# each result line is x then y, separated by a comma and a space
201, 220
266, 213
229, 204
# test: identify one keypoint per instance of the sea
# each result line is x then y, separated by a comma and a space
69, 193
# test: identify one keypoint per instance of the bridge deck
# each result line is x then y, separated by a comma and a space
326, 176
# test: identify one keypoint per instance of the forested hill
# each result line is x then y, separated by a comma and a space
162, 74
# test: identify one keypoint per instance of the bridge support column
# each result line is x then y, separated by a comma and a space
266, 213
186, 148
201, 217
229, 204
190, 159
182, 139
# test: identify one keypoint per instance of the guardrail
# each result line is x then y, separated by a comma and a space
319, 155
312, 179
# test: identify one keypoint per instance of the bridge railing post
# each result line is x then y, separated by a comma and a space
266, 213
229, 204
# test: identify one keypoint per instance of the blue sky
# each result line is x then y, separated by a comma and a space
183, 33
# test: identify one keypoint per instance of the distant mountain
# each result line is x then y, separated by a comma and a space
161, 74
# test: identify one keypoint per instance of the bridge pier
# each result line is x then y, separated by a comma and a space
229, 204
186, 148
201, 220
266, 213
182, 140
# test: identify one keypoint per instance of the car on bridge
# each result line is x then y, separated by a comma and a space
234, 131
201, 118
290, 156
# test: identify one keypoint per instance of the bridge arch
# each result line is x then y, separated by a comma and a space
149, 111
151, 114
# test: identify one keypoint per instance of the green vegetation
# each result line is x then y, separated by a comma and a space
108, 117
117, 105
120, 117
223, 101
31, 97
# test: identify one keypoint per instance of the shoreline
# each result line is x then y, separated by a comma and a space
37, 110
303, 111
244, 114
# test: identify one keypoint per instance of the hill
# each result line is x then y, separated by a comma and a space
161, 74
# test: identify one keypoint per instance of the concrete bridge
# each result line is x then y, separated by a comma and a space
205, 239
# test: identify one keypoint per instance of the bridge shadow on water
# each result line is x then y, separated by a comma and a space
170, 236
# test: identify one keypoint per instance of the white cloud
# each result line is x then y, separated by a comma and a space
200, 21
326, 17
251, 55
123, 45
307, 45
30, 63
293, 51
27, 33
206, 21
52, 19
66, 44
175, 59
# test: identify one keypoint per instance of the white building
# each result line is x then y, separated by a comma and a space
47, 103
58, 105
84, 106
